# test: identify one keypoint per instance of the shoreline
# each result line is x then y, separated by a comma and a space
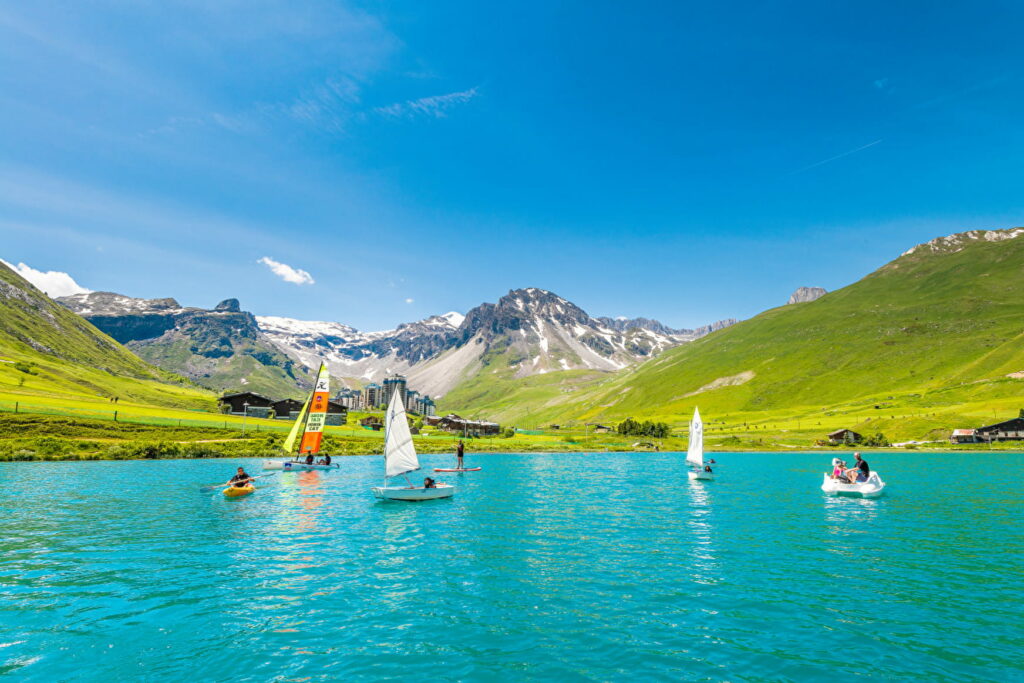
877, 451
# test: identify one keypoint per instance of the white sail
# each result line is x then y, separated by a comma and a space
695, 450
399, 452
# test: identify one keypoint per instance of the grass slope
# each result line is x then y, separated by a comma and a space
932, 336
46, 350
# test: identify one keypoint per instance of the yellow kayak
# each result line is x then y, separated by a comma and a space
235, 491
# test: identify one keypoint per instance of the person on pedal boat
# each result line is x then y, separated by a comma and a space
860, 471
240, 480
837, 470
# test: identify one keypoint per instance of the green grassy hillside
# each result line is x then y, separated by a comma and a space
937, 328
46, 350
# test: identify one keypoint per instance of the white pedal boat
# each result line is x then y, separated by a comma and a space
872, 488
294, 466
414, 493
701, 475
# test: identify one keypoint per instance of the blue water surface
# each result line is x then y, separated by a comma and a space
571, 567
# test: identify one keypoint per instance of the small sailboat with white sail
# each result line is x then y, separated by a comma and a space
310, 424
695, 450
400, 459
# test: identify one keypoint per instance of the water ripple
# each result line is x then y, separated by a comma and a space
564, 567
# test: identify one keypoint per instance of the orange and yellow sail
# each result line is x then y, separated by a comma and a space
317, 413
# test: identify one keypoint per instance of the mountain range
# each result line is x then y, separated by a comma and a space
45, 348
527, 332
940, 325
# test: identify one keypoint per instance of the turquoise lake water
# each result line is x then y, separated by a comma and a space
543, 567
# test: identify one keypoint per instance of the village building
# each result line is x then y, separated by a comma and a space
245, 403
1010, 430
412, 401
391, 385
600, 429
371, 422
287, 408
454, 423
350, 398
964, 436
337, 414
373, 396
847, 436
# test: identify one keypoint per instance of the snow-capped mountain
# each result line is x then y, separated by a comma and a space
222, 348
527, 332
367, 356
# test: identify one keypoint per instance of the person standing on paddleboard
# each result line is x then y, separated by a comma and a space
459, 452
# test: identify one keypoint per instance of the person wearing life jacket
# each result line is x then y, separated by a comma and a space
240, 480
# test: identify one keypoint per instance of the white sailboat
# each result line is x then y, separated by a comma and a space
695, 449
400, 459
310, 424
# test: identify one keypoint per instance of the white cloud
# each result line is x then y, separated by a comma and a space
436, 106
287, 273
53, 283
408, 301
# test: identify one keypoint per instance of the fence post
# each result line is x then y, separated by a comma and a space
115, 416
15, 407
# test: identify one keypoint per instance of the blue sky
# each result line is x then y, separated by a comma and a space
680, 161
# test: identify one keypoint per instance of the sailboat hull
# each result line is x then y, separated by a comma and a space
702, 476
414, 494
291, 466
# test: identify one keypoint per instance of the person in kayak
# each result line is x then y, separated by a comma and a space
240, 480
460, 450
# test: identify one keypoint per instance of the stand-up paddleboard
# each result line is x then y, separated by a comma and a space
456, 469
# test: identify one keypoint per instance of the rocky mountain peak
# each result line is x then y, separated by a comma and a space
228, 306
805, 294
953, 243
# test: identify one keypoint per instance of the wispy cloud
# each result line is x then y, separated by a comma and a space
408, 301
435, 106
287, 273
831, 159
53, 283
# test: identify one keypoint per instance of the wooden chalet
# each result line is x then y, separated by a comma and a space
1011, 430
286, 408
337, 414
844, 436
246, 403
964, 436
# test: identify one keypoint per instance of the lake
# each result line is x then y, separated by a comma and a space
569, 567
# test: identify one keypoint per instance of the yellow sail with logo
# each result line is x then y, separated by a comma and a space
293, 435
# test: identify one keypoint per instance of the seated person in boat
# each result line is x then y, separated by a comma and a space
707, 468
837, 471
309, 459
241, 479
327, 459
429, 483
860, 471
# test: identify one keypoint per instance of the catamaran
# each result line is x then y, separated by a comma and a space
310, 424
400, 459
695, 449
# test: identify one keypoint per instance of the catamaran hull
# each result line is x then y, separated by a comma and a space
414, 494
702, 476
872, 488
289, 466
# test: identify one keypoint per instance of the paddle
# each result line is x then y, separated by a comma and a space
231, 483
